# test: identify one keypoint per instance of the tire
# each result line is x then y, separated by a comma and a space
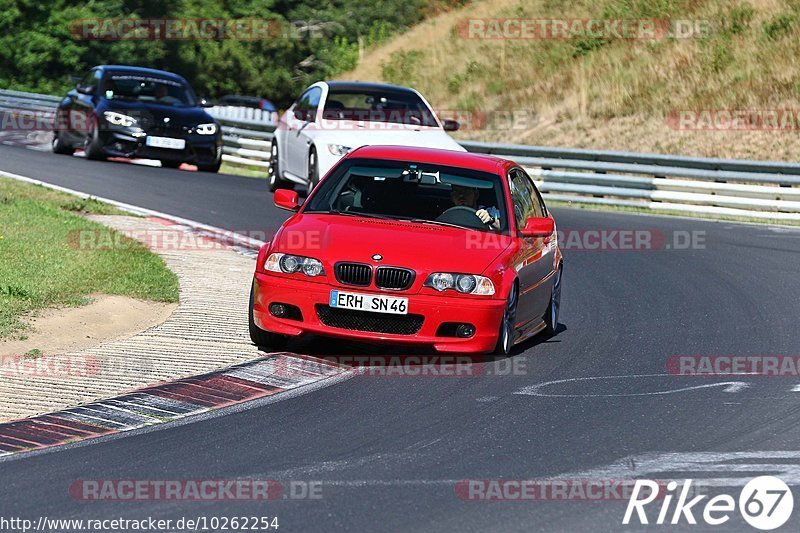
275, 180
166, 163
505, 336
260, 337
92, 147
313, 171
213, 167
60, 147
554, 307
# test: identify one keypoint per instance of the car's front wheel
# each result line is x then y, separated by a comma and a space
260, 337
60, 147
554, 307
92, 145
213, 167
505, 337
275, 180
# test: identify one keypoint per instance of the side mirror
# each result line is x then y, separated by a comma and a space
84, 89
450, 125
302, 114
286, 199
538, 227
206, 102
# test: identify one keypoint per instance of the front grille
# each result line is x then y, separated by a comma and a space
394, 278
353, 274
366, 321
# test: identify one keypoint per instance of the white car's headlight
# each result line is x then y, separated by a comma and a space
338, 149
118, 119
206, 129
289, 264
465, 283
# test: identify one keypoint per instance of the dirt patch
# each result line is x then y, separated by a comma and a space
77, 328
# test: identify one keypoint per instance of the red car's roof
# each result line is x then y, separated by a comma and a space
482, 162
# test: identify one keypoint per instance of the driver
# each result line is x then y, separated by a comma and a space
468, 197
162, 95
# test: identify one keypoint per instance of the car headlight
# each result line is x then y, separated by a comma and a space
338, 149
289, 264
206, 129
464, 283
118, 119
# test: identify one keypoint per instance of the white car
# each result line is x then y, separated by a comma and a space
332, 118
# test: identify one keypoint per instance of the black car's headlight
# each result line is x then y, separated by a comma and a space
119, 119
206, 129
464, 283
289, 264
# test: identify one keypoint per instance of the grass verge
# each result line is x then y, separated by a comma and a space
239, 170
40, 266
608, 92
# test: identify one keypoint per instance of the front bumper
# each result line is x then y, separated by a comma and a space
485, 315
200, 149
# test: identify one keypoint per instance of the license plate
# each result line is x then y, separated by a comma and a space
369, 302
166, 142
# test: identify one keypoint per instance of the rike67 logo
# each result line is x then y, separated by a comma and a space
765, 503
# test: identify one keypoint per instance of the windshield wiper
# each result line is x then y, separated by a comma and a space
353, 214
435, 223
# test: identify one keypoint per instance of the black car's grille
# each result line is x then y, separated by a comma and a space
158, 127
165, 131
394, 278
367, 321
353, 274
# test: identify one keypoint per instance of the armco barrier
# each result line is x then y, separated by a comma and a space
767, 190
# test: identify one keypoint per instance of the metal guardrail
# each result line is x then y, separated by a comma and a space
767, 190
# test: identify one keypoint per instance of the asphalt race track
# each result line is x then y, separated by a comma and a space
389, 451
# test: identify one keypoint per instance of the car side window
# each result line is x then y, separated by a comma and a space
520, 197
539, 209
309, 102
89, 82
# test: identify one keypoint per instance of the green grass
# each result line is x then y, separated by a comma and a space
33, 354
239, 170
17, 190
41, 266
606, 92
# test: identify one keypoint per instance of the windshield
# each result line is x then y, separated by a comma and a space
397, 107
421, 192
147, 89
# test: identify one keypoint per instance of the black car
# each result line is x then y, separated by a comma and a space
133, 112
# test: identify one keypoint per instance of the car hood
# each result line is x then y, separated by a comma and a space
423, 247
155, 114
351, 134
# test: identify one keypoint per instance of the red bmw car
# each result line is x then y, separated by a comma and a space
432, 248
